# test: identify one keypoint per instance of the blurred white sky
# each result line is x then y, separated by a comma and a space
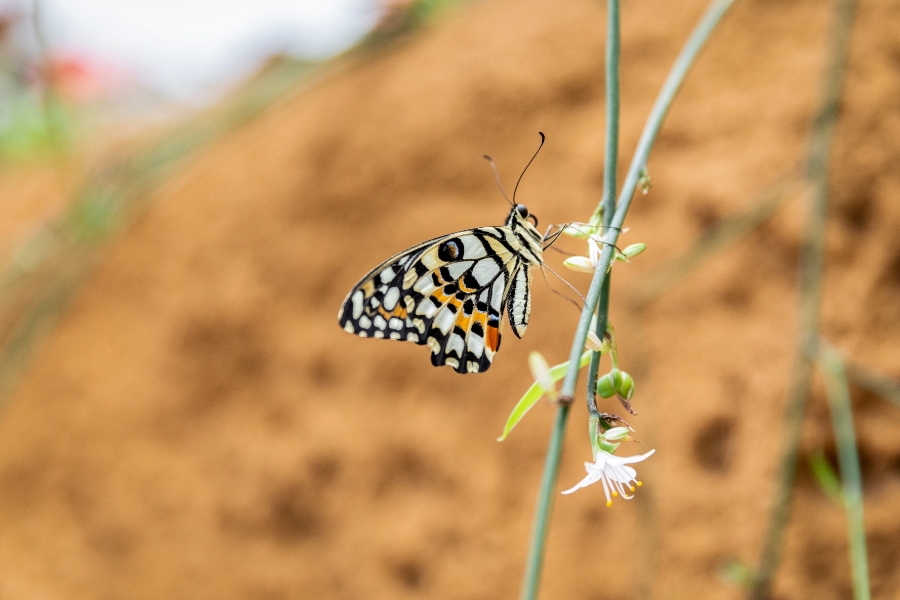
184, 49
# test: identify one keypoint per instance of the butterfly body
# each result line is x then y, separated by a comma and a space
450, 293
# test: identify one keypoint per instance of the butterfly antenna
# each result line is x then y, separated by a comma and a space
543, 138
497, 177
543, 265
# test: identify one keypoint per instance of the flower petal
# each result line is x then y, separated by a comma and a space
579, 263
591, 478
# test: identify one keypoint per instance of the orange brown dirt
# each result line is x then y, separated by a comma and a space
199, 427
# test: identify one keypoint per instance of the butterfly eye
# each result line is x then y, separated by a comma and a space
523, 212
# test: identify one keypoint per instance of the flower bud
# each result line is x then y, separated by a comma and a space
540, 370
633, 250
605, 387
579, 263
594, 343
615, 434
623, 384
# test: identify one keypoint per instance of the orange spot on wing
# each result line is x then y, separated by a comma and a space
439, 295
493, 337
399, 312
463, 321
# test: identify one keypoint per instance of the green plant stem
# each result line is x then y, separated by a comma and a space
610, 166
812, 255
658, 113
539, 528
551, 466
848, 459
600, 330
610, 160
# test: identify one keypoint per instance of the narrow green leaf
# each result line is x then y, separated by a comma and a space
535, 392
825, 477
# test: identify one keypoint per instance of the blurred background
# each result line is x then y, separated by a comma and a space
188, 190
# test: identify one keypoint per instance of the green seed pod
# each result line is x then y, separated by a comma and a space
605, 387
623, 384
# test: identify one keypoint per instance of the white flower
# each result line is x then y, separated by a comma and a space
585, 264
613, 472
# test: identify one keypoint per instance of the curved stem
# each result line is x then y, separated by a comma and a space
599, 283
812, 258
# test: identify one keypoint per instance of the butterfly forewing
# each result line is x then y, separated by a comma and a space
447, 293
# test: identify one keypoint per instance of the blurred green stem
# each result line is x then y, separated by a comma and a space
848, 459
812, 252
673, 82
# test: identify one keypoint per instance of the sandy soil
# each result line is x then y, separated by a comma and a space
199, 427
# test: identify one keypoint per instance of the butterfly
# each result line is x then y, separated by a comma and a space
449, 293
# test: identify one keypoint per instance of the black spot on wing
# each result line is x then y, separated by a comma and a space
451, 250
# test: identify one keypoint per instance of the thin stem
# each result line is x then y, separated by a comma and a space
683, 63
812, 256
600, 330
663, 101
610, 161
838, 394
610, 166
544, 506
551, 466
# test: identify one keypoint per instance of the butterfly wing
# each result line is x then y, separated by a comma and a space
446, 293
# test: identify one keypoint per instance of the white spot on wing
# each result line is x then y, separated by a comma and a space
485, 270
387, 275
357, 303
497, 293
426, 308
349, 327
365, 322
380, 323
473, 248
457, 269
445, 320
425, 285
476, 344
395, 335
395, 323
456, 343
391, 298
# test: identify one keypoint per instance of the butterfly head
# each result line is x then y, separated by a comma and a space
519, 217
